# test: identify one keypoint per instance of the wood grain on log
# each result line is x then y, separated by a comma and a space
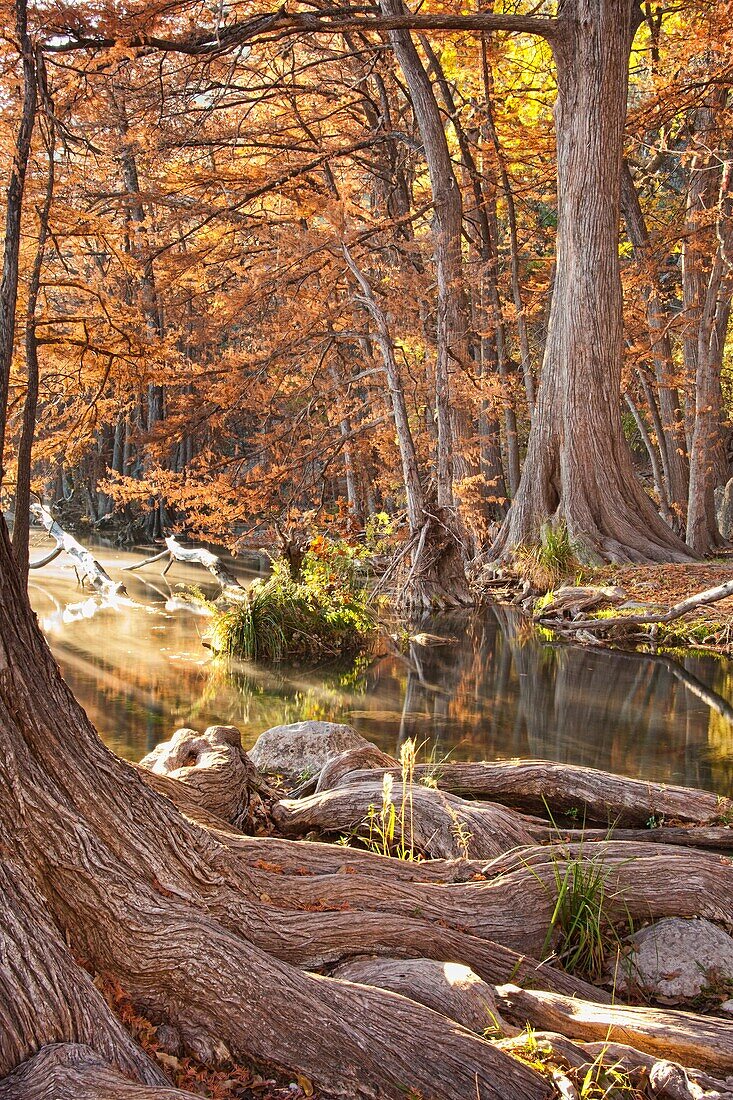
542, 786
686, 1037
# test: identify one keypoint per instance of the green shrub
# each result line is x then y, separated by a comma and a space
325, 613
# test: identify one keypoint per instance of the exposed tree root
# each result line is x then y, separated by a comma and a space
138, 873
536, 786
450, 988
440, 826
66, 1070
214, 765
694, 1040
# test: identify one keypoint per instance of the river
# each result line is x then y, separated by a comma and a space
496, 691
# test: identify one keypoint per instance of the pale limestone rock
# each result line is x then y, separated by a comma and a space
676, 960
300, 750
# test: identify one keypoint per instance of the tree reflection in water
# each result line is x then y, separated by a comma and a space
496, 692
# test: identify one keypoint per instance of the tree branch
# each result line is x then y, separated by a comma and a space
281, 23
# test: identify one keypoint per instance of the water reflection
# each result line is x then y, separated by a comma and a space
139, 669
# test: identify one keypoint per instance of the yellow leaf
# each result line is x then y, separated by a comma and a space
305, 1084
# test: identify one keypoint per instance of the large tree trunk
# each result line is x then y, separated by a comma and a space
578, 468
13, 214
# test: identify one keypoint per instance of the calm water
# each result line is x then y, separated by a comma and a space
140, 671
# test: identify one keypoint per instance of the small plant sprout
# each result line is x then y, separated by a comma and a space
390, 828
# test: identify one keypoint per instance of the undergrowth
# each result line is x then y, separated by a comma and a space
580, 929
324, 614
389, 827
553, 559
595, 1081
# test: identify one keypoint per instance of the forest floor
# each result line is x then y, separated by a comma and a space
647, 589
669, 584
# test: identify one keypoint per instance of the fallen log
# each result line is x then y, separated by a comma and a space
542, 786
574, 599
88, 569
691, 1039
228, 582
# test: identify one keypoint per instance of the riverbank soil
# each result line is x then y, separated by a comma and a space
668, 584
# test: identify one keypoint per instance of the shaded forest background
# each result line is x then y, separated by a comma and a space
232, 316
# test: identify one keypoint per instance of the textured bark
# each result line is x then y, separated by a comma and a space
65, 1070
707, 466
134, 888
438, 825
457, 454
691, 1039
578, 468
450, 988
45, 996
215, 766
538, 785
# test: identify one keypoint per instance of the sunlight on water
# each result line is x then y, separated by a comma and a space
138, 667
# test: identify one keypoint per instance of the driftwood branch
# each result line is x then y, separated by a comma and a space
87, 567
47, 559
194, 556
148, 561
700, 599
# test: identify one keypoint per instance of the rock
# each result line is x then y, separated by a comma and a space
300, 750
726, 1007
677, 960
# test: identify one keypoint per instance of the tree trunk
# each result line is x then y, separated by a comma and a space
707, 467
578, 469
13, 215
457, 453
672, 444
21, 527
436, 575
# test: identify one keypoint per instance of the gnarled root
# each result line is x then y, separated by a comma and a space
214, 765
690, 1038
440, 825
75, 1070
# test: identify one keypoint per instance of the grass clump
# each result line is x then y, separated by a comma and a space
579, 918
389, 827
552, 560
323, 614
